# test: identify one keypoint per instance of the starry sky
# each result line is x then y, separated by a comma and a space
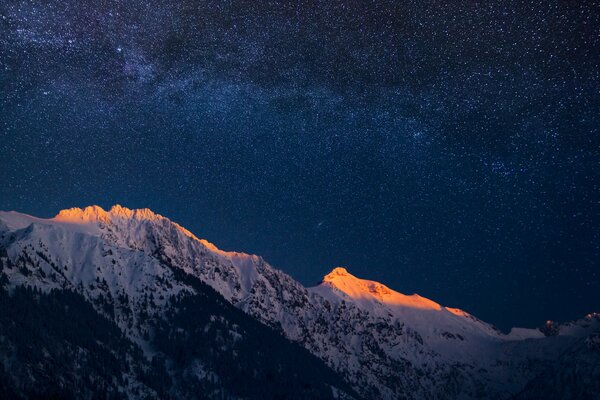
448, 148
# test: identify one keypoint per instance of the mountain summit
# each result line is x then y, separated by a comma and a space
364, 290
195, 319
98, 214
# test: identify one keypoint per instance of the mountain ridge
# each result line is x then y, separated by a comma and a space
378, 291
384, 343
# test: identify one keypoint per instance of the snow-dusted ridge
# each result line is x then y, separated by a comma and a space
365, 291
387, 344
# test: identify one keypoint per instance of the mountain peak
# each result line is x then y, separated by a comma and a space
77, 214
89, 216
337, 271
96, 213
365, 290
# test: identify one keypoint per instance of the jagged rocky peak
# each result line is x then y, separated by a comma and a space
96, 213
118, 215
88, 218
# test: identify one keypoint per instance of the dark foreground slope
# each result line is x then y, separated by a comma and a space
55, 345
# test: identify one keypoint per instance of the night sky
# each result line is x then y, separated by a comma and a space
446, 148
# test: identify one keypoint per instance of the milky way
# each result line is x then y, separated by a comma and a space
445, 148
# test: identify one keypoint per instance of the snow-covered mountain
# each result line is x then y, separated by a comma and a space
132, 266
98, 274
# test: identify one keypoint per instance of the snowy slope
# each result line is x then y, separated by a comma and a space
123, 263
386, 344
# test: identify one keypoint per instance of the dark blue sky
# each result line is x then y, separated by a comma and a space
444, 148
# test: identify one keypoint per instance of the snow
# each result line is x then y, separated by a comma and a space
127, 254
524, 333
366, 292
427, 316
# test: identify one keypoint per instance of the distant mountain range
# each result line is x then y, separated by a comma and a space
128, 304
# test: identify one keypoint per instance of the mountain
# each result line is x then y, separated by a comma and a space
90, 309
206, 323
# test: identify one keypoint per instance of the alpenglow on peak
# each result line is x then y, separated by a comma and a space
97, 213
362, 289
